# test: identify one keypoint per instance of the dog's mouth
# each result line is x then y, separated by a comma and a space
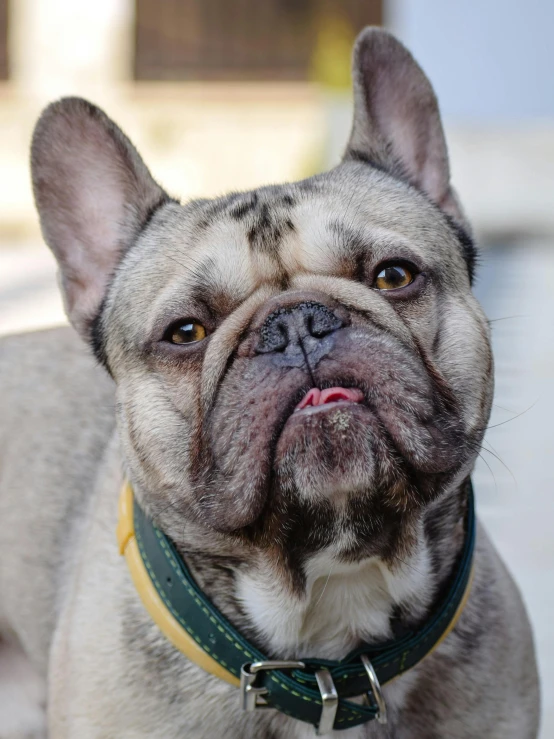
368, 427
316, 400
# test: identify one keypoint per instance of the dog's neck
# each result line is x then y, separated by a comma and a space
342, 604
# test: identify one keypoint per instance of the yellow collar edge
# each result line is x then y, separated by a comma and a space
168, 624
158, 611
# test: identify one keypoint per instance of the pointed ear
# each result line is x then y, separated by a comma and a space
397, 123
93, 193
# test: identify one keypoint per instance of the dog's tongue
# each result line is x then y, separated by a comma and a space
315, 396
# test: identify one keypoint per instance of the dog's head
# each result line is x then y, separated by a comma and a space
299, 366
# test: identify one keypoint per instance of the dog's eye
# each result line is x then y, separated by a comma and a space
393, 277
185, 332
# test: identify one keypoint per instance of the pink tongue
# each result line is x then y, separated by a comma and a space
315, 396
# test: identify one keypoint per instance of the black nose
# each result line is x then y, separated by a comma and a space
299, 333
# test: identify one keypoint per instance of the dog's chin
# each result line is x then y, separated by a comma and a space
328, 451
376, 431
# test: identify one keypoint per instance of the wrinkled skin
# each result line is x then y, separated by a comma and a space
227, 406
312, 529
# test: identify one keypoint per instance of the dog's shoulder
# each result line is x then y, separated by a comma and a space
57, 411
56, 356
52, 391
58, 343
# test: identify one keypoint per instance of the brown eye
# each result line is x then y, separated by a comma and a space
393, 277
185, 332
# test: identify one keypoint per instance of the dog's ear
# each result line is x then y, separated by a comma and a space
397, 123
93, 193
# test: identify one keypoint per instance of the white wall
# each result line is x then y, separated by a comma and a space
490, 61
61, 47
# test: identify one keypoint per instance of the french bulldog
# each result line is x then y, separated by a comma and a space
296, 382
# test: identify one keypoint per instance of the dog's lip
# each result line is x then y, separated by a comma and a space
312, 410
316, 399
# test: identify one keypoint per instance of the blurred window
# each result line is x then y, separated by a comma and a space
241, 39
4, 71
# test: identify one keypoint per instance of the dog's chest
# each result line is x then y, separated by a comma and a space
341, 606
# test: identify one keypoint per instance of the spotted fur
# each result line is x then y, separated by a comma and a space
312, 532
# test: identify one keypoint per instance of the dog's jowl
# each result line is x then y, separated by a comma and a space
277, 398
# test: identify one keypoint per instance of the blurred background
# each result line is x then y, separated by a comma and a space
222, 95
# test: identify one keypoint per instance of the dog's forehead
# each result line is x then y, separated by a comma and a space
325, 225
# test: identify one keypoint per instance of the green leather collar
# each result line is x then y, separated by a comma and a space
318, 692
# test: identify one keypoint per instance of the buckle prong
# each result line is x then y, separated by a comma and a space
251, 695
329, 700
375, 691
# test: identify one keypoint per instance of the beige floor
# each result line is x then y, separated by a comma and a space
514, 481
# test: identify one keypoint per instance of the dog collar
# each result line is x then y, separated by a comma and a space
313, 690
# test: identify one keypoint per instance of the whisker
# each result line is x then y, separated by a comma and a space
508, 410
514, 417
490, 470
493, 454
325, 586
506, 318
397, 558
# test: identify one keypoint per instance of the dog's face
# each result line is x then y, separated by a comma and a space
299, 366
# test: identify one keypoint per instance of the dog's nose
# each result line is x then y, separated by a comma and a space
299, 333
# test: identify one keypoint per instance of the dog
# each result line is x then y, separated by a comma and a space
291, 386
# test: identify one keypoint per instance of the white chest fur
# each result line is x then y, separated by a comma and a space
341, 605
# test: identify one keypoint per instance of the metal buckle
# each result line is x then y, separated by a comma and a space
376, 692
330, 701
250, 695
